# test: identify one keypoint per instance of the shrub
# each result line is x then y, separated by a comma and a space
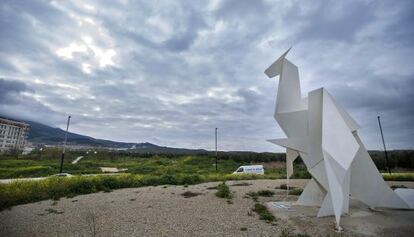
261, 193
108, 183
189, 194
301, 173
169, 179
288, 233
284, 187
223, 191
265, 193
253, 195
191, 179
264, 213
81, 186
296, 191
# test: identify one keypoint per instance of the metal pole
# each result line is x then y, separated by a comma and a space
64, 146
216, 148
383, 142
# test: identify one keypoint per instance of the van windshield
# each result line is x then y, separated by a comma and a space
239, 170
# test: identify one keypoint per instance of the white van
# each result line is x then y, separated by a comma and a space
250, 169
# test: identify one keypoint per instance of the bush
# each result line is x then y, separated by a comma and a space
264, 213
81, 186
191, 179
223, 191
169, 179
296, 191
285, 187
108, 183
265, 193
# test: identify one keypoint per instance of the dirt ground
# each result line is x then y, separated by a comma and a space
164, 211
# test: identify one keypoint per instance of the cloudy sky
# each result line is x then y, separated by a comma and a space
169, 72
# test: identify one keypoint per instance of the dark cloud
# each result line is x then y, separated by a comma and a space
10, 91
339, 22
170, 72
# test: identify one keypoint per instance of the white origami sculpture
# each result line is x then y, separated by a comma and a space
325, 136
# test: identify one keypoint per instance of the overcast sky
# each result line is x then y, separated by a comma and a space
169, 72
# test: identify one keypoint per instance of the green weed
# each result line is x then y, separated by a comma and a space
223, 191
264, 213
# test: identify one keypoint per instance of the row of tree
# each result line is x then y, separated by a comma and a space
401, 159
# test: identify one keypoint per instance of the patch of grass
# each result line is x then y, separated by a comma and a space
296, 191
301, 173
240, 184
261, 193
398, 176
53, 211
252, 195
189, 194
223, 191
144, 171
284, 187
265, 193
20, 192
286, 232
264, 213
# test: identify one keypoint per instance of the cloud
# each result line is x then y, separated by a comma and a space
9, 90
170, 72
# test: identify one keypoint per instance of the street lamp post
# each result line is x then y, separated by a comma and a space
385, 149
64, 146
216, 148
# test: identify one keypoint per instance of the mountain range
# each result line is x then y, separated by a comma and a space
47, 135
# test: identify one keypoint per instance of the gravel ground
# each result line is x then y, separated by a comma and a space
150, 211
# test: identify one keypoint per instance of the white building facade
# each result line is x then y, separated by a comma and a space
13, 135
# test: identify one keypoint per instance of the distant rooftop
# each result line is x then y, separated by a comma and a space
13, 122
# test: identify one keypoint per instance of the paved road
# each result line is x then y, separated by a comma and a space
77, 159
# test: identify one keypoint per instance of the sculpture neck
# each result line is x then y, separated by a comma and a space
288, 95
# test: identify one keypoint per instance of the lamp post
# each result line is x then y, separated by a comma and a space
216, 147
64, 145
383, 143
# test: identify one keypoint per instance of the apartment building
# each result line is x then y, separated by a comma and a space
13, 134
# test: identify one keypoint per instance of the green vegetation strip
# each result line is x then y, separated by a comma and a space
398, 176
21, 192
157, 165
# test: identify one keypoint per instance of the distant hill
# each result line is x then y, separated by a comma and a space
40, 133
44, 134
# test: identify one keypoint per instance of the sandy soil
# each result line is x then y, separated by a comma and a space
163, 211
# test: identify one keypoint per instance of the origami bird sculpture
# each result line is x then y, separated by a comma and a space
325, 136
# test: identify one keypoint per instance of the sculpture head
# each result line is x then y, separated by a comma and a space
276, 68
